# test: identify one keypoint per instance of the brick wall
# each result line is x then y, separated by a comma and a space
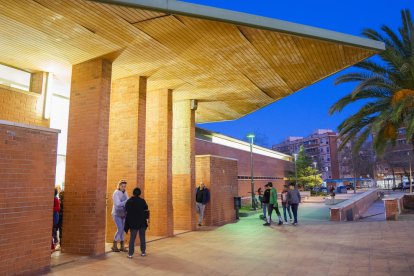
262, 165
27, 175
219, 174
22, 107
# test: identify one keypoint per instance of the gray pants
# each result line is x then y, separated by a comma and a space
200, 211
134, 232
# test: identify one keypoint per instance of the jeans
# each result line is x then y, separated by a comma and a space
55, 227
286, 207
265, 210
120, 223
134, 232
295, 211
200, 211
270, 210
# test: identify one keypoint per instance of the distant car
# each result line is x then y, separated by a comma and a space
350, 186
399, 186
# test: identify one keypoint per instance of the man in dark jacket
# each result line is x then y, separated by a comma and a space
293, 199
266, 198
202, 198
137, 214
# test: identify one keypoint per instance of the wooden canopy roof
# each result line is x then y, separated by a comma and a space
232, 63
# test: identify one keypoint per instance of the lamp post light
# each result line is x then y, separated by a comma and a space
295, 156
411, 177
251, 138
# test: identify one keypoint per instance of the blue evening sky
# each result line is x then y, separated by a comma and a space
303, 112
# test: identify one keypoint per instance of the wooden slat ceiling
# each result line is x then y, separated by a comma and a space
232, 70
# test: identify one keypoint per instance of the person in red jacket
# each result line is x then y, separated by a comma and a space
56, 210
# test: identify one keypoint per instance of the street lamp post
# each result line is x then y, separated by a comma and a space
295, 156
353, 168
251, 137
411, 178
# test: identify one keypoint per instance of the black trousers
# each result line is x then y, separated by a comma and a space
295, 212
270, 209
134, 232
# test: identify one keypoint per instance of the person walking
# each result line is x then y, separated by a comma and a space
56, 210
273, 205
266, 198
137, 216
260, 194
285, 205
332, 194
293, 199
202, 198
119, 197
60, 223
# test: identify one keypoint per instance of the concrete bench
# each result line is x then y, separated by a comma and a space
352, 208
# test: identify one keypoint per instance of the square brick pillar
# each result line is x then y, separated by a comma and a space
86, 160
126, 147
183, 166
158, 154
219, 174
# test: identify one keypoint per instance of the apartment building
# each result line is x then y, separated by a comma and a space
321, 146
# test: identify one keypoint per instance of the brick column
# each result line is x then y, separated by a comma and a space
158, 154
86, 161
126, 147
183, 166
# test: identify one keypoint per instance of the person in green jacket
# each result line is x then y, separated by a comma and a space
272, 205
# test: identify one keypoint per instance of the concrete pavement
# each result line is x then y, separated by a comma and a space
315, 247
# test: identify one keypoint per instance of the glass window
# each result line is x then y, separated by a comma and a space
59, 115
14, 77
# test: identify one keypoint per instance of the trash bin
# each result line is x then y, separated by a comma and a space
237, 205
237, 202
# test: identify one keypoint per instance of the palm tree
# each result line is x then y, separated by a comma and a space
387, 87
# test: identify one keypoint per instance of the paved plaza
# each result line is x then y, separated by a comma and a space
315, 247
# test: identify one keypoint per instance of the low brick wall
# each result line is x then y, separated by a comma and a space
408, 201
352, 208
396, 205
27, 179
219, 174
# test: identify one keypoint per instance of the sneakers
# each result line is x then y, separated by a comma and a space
143, 254
266, 224
129, 256
286, 222
295, 224
280, 222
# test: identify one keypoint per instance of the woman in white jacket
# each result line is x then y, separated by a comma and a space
119, 198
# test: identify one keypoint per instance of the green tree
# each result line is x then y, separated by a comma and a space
307, 175
385, 87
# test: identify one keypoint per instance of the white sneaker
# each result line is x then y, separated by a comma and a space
143, 254
286, 222
130, 256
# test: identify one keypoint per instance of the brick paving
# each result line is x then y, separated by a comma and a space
315, 247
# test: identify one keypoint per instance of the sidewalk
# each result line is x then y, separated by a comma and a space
315, 247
